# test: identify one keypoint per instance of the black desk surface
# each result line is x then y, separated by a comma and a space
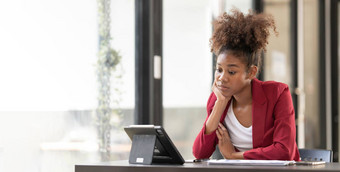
124, 166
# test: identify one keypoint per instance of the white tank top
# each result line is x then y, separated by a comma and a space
241, 137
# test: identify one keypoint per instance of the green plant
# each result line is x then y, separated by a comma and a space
107, 62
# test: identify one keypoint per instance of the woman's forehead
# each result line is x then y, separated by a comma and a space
228, 59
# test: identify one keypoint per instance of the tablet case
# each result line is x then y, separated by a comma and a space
152, 145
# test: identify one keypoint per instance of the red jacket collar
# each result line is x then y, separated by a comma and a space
257, 91
259, 112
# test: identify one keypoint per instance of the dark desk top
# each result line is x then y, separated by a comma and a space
124, 166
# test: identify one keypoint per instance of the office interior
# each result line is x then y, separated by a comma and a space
74, 73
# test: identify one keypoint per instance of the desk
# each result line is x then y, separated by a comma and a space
124, 166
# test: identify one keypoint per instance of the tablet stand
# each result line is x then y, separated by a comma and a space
142, 149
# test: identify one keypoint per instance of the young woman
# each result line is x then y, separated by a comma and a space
247, 118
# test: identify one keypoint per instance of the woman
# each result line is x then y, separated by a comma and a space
247, 118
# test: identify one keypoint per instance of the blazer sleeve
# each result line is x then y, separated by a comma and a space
204, 144
283, 146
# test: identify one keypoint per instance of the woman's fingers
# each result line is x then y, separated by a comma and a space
220, 125
223, 130
218, 135
222, 133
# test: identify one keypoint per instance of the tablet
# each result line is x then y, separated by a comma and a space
164, 151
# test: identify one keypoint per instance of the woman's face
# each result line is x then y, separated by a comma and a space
231, 74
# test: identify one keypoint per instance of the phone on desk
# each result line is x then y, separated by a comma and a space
309, 162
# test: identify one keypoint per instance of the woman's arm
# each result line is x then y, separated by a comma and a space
205, 142
214, 119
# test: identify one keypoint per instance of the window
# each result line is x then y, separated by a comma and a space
49, 85
187, 66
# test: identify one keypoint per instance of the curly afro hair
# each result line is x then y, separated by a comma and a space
243, 35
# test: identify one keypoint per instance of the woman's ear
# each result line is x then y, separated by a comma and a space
252, 71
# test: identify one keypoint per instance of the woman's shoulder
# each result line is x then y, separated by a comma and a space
272, 87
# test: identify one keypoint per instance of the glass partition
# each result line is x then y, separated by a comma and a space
277, 63
311, 73
187, 66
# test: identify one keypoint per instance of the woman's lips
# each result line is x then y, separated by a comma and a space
222, 87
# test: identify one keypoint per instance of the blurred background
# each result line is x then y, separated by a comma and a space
74, 73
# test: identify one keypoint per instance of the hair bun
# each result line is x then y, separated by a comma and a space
243, 32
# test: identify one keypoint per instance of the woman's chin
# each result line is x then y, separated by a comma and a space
226, 94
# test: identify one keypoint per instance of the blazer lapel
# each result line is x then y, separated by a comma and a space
259, 111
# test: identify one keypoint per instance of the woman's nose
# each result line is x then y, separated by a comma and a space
222, 77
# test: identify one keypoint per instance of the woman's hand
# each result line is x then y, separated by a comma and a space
218, 93
224, 143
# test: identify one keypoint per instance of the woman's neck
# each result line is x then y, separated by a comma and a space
244, 97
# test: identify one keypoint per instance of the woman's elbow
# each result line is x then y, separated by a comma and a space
284, 153
199, 154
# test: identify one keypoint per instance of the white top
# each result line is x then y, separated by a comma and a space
241, 137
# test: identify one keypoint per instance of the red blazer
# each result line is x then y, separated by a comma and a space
273, 124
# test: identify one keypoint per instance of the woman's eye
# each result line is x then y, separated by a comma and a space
232, 72
219, 70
